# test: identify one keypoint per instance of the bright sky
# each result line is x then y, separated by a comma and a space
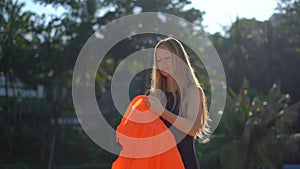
218, 13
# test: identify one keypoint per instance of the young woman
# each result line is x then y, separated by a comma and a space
185, 107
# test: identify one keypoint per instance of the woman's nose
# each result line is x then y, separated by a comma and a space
162, 65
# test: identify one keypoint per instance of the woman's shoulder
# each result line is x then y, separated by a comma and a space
192, 89
193, 92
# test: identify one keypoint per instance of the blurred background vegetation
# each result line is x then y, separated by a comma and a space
38, 126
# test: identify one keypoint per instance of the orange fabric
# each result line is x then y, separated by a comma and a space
147, 143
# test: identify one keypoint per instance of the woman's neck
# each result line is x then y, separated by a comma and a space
171, 84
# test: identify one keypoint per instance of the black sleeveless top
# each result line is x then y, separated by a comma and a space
186, 142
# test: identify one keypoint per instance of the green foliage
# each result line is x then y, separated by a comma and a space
39, 52
258, 124
253, 132
263, 52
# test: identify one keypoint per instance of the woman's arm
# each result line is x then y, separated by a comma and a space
189, 124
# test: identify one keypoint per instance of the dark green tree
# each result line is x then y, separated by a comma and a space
254, 131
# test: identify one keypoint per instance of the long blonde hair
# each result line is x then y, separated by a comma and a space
186, 78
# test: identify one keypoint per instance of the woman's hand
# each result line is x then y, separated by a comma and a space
155, 105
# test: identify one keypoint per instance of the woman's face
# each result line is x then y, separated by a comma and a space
164, 60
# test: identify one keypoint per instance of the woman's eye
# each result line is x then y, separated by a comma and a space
166, 58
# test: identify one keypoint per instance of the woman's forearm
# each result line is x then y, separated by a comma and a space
185, 125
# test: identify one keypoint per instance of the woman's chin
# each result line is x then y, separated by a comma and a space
165, 74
